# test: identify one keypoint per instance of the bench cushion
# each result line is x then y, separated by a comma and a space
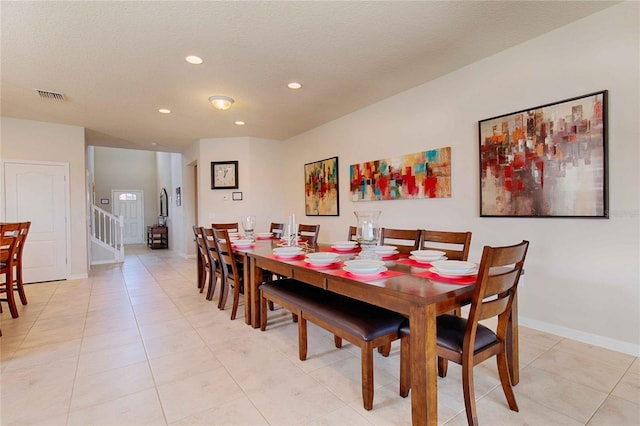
357, 318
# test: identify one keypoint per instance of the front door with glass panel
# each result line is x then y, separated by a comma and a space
129, 204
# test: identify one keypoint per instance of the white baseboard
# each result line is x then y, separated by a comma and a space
581, 336
79, 276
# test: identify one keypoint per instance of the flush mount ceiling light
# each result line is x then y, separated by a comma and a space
222, 103
294, 85
195, 60
239, 123
164, 111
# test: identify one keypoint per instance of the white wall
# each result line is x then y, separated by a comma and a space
582, 276
38, 141
116, 168
261, 165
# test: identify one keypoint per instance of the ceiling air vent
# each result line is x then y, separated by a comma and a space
46, 94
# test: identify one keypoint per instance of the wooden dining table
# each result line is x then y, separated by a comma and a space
407, 287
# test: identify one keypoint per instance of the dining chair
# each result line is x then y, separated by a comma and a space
467, 342
232, 278
8, 241
309, 234
352, 233
277, 229
203, 260
455, 244
405, 240
214, 264
231, 227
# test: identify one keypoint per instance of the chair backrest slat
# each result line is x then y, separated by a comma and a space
405, 240
455, 244
231, 227
277, 229
226, 255
309, 233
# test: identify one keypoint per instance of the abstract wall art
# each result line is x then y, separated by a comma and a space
547, 161
425, 174
321, 188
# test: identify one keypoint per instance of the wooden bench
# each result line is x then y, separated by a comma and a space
364, 325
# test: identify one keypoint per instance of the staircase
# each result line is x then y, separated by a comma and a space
107, 237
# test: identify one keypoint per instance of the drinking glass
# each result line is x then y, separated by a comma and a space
248, 224
368, 233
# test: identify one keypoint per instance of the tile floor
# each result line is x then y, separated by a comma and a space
137, 344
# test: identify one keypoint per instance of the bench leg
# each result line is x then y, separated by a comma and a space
385, 349
367, 376
302, 338
263, 312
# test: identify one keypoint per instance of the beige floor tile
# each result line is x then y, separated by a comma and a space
108, 359
197, 393
142, 408
44, 355
494, 410
559, 394
165, 328
176, 366
173, 343
109, 340
628, 388
391, 409
606, 356
295, 401
345, 416
618, 412
240, 412
98, 388
581, 369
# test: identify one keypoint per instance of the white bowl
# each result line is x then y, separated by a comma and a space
454, 266
371, 273
385, 249
426, 255
242, 243
345, 244
321, 258
287, 251
363, 265
265, 234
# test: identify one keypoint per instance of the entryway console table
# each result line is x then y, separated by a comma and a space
157, 237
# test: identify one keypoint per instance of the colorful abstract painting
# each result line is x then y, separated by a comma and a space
548, 161
424, 174
321, 188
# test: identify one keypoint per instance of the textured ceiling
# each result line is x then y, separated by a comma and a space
118, 62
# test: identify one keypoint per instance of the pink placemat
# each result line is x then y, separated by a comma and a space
471, 279
243, 247
382, 276
334, 250
265, 238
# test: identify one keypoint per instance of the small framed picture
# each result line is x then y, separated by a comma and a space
104, 201
236, 196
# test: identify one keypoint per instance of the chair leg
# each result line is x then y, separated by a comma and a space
20, 286
213, 281
443, 365
271, 308
337, 341
505, 380
236, 300
11, 300
302, 338
469, 393
366, 354
405, 367
224, 292
294, 317
263, 312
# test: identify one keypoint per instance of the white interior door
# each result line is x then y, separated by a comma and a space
37, 192
129, 204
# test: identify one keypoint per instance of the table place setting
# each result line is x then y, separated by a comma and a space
264, 235
453, 271
289, 252
345, 247
322, 260
242, 243
424, 258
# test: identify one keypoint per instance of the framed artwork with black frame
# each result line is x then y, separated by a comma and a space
546, 161
224, 175
321, 188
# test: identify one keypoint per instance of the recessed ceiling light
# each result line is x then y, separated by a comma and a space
294, 85
240, 123
164, 111
195, 60
154, 143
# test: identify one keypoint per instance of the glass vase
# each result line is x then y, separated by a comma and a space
368, 233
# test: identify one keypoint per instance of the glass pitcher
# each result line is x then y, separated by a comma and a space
248, 224
368, 232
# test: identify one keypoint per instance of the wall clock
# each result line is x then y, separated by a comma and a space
224, 175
